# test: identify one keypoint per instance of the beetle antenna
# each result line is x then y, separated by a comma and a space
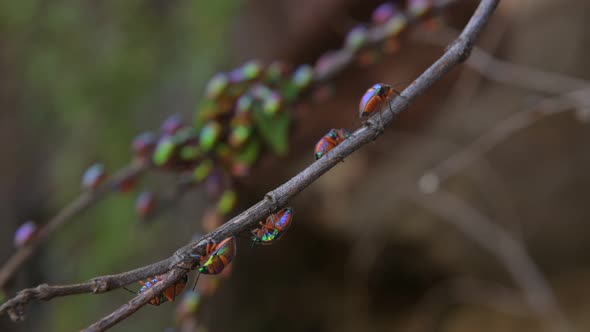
130, 291
196, 281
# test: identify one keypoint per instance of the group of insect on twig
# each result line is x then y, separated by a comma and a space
218, 256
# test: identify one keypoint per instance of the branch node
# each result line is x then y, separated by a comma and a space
100, 285
17, 313
270, 197
464, 45
43, 291
376, 127
187, 264
187, 260
190, 256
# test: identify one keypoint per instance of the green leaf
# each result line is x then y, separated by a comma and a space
227, 202
250, 153
274, 130
203, 170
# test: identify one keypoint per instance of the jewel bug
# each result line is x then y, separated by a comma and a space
273, 228
374, 99
329, 141
218, 256
169, 294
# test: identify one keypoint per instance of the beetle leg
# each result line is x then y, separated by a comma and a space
168, 297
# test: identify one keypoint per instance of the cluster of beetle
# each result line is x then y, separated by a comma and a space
219, 256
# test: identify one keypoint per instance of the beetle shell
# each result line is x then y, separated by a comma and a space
274, 227
220, 257
323, 146
264, 236
329, 141
169, 294
373, 99
283, 219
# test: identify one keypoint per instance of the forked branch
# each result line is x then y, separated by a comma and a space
182, 260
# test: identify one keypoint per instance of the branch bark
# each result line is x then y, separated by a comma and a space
505, 72
343, 58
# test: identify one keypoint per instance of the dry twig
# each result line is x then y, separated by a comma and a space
178, 264
85, 200
342, 59
458, 161
571, 93
508, 73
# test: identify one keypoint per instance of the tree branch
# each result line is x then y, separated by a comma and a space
341, 60
505, 72
81, 203
97, 285
182, 259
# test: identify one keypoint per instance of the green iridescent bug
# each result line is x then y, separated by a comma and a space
273, 228
218, 256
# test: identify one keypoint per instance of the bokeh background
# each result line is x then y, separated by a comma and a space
79, 79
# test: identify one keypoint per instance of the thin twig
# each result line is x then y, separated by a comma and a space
469, 81
81, 203
342, 58
167, 199
458, 161
505, 72
571, 92
502, 245
96, 285
455, 54
488, 180
136, 303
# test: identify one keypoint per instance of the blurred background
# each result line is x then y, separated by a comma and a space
376, 245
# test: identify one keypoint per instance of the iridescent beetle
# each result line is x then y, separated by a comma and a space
274, 227
329, 141
169, 294
218, 256
374, 99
